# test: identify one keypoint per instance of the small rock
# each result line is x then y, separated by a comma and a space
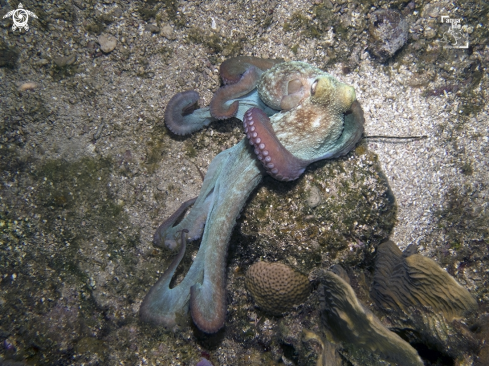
429, 33
167, 32
388, 32
433, 10
27, 86
152, 28
64, 61
314, 198
107, 43
117, 12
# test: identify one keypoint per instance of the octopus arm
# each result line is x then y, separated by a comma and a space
232, 69
183, 116
222, 110
238, 178
158, 238
280, 163
194, 222
162, 304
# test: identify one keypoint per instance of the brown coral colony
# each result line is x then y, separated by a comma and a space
276, 287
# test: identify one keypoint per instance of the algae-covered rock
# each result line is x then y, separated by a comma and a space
388, 31
352, 211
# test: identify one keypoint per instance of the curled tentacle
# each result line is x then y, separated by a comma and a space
161, 303
210, 317
219, 108
159, 236
276, 159
232, 69
183, 116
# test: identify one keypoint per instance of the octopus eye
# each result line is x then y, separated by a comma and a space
313, 87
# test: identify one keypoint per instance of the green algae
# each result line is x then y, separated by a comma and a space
95, 27
77, 196
171, 7
146, 13
166, 53
8, 56
72, 206
461, 222
467, 168
321, 19
97, 21
156, 147
151, 10
215, 42
190, 150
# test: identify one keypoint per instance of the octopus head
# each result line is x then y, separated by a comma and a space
329, 92
325, 121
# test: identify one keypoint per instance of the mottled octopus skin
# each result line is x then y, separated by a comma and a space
324, 122
232, 69
182, 115
277, 161
319, 117
246, 84
285, 85
235, 174
240, 76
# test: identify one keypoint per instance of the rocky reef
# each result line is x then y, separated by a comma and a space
89, 170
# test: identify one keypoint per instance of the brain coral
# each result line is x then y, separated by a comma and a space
276, 287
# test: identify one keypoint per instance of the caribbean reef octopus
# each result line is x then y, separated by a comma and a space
293, 115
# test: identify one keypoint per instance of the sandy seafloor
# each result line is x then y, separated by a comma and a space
110, 106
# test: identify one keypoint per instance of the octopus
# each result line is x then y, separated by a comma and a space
293, 114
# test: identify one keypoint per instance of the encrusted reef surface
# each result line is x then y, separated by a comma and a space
89, 171
338, 214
